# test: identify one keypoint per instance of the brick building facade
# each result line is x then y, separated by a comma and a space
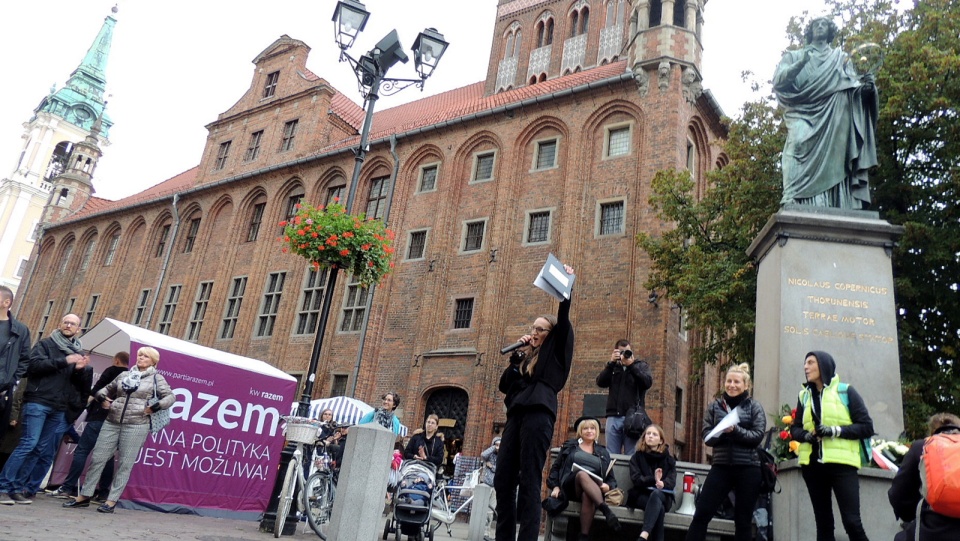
553, 151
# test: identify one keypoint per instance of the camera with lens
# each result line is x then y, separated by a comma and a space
626, 354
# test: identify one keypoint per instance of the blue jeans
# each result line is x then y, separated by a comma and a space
617, 439
87, 441
41, 425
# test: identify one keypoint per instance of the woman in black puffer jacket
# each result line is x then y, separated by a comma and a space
736, 464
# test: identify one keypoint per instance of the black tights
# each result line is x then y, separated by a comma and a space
590, 496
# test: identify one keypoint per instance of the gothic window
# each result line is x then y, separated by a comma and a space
65, 258
191, 235
88, 254
291, 209
199, 310
256, 218
680, 13
111, 249
354, 306
141, 309
314, 286
377, 201
656, 8
169, 309
231, 311
162, 240
271, 303
91, 310
335, 193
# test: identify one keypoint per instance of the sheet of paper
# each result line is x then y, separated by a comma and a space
730, 419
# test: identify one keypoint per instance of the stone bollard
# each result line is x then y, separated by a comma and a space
479, 511
358, 505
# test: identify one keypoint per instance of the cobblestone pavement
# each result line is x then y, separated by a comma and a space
46, 520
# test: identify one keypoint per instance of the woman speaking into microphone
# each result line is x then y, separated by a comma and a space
538, 370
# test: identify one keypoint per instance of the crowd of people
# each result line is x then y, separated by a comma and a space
46, 387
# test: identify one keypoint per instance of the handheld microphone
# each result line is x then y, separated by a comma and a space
512, 347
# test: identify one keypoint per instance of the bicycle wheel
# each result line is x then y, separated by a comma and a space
318, 497
286, 497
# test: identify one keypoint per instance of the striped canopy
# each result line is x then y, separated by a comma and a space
346, 410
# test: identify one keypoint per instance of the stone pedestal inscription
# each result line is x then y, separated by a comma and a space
825, 283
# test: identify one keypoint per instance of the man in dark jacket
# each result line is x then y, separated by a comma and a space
56, 363
14, 355
628, 380
96, 415
905, 494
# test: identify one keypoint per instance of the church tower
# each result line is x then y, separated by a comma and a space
64, 121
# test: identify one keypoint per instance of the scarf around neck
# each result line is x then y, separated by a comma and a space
66, 345
131, 381
384, 418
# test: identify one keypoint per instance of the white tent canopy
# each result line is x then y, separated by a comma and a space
110, 336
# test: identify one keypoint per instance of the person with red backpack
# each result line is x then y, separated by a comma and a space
831, 421
906, 491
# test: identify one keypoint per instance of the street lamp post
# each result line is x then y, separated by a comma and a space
349, 18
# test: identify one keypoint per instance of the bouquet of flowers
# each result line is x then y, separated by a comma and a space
784, 447
886, 454
329, 237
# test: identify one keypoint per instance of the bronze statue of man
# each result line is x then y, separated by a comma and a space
831, 117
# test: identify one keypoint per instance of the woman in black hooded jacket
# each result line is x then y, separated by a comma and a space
736, 464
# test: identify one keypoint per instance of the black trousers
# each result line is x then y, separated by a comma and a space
655, 505
842, 480
745, 483
523, 451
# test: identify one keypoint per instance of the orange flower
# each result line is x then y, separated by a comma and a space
286, 239
284, 250
369, 263
391, 264
794, 445
344, 252
283, 223
365, 247
297, 220
297, 206
347, 235
390, 234
301, 232
388, 249
316, 266
314, 234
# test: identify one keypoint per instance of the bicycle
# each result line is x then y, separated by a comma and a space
301, 431
442, 514
319, 492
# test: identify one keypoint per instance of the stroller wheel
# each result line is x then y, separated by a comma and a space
386, 529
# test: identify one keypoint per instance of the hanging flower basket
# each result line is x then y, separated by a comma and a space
329, 237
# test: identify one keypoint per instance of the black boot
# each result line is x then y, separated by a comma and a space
612, 521
584, 537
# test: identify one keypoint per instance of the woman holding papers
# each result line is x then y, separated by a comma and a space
736, 465
537, 372
582, 473
654, 475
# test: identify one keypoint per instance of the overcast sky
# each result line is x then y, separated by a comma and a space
175, 64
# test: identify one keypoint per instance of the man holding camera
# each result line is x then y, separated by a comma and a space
628, 380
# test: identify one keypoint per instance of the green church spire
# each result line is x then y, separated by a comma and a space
81, 101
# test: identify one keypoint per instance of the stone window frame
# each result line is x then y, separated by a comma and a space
601, 203
257, 211
91, 310
190, 239
289, 137
538, 146
436, 177
477, 156
111, 252
528, 218
608, 133
162, 238
410, 244
462, 246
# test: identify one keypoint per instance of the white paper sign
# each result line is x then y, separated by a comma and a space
730, 419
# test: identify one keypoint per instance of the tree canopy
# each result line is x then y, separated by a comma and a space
702, 264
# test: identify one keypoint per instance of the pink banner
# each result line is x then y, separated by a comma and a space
220, 452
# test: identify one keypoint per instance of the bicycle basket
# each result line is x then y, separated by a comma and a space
301, 430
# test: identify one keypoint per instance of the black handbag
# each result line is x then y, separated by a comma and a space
636, 421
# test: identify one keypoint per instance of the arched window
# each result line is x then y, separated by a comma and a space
680, 13
549, 32
656, 8
584, 20
574, 23
516, 44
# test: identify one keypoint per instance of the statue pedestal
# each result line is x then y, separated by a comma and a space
825, 282
793, 513
358, 505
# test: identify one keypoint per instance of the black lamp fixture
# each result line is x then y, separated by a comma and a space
428, 48
349, 19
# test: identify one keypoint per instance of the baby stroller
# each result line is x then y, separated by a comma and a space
412, 501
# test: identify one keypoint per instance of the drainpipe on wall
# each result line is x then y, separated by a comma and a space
373, 288
166, 260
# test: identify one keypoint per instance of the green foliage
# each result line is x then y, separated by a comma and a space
917, 186
702, 264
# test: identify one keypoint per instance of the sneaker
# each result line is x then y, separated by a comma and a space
20, 499
62, 493
5, 499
